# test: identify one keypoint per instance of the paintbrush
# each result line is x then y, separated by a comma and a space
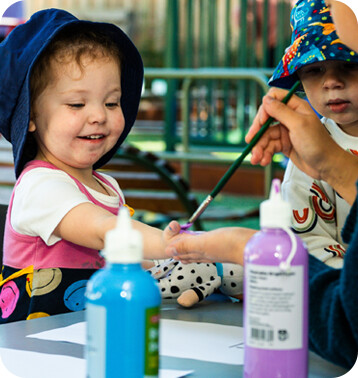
235, 165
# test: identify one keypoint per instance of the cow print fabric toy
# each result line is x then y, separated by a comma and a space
191, 283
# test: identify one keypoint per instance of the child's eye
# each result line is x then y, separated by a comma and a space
112, 104
350, 66
313, 70
310, 71
76, 106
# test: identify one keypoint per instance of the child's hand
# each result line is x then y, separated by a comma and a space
171, 231
220, 245
189, 248
187, 242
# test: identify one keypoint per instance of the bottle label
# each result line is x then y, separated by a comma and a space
96, 340
274, 307
151, 362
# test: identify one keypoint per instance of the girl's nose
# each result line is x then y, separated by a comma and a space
97, 114
333, 79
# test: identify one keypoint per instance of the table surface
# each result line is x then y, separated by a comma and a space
216, 310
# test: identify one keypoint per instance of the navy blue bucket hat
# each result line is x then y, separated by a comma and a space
314, 39
21, 49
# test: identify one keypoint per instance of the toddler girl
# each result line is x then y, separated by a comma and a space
69, 96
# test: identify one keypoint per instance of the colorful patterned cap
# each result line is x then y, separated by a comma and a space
314, 39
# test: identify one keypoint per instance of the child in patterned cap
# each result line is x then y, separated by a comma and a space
69, 95
328, 71
333, 330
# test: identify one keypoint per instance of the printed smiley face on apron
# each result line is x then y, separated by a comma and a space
44, 281
8, 298
74, 297
36, 315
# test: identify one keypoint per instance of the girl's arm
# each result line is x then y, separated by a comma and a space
154, 240
87, 225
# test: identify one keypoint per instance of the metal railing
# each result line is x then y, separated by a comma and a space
223, 33
187, 77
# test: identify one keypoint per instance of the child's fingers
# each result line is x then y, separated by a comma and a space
174, 227
172, 230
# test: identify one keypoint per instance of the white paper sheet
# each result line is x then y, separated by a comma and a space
41, 365
202, 341
24, 364
182, 339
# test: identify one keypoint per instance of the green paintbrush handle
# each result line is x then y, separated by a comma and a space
236, 164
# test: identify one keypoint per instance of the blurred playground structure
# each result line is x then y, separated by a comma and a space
206, 68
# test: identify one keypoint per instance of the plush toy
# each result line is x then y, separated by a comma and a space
191, 283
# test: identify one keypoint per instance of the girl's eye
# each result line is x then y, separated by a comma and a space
76, 106
112, 104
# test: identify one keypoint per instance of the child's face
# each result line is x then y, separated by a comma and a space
332, 89
78, 117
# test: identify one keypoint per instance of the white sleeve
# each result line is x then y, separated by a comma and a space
314, 215
42, 198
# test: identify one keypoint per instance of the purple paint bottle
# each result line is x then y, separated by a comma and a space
276, 295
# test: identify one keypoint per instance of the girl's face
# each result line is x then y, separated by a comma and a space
332, 87
78, 117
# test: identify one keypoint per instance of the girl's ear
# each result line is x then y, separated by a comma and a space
32, 126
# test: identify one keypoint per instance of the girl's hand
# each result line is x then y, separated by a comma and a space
172, 230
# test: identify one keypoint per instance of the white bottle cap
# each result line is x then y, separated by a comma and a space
275, 212
123, 244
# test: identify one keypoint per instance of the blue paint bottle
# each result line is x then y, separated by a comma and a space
122, 302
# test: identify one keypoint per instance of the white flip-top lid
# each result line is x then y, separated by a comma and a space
275, 212
123, 244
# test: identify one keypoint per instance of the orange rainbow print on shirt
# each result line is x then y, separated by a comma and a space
304, 220
320, 206
336, 250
